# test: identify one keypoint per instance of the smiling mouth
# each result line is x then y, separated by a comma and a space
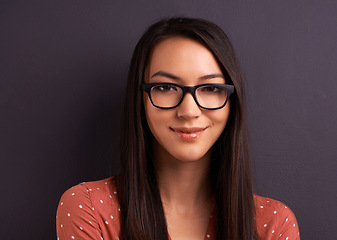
188, 134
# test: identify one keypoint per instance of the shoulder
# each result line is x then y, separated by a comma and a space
274, 219
88, 192
88, 208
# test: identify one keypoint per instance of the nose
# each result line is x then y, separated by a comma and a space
188, 108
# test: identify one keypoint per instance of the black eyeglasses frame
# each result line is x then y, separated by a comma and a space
192, 89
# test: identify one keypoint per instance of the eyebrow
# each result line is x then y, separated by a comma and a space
210, 76
166, 74
169, 75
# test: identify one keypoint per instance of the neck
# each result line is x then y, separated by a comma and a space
184, 186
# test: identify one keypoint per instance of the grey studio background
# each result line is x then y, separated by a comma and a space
63, 66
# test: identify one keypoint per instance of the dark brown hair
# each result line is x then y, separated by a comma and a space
142, 215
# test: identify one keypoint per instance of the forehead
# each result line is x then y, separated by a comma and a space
181, 56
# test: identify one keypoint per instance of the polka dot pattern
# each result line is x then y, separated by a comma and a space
275, 220
91, 211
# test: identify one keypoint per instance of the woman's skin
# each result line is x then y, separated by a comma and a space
183, 136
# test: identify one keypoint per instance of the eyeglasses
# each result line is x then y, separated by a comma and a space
170, 95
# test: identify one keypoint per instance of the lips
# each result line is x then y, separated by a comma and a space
189, 134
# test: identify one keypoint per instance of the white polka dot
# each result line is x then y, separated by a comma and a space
119, 209
61, 203
93, 209
208, 235
101, 201
90, 189
112, 217
101, 238
275, 212
265, 225
273, 231
287, 238
106, 222
280, 234
294, 224
81, 228
285, 207
115, 192
61, 225
97, 188
268, 201
287, 219
90, 222
72, 237
106, 183
73, 194
261, 206
68, 214
80, 206
110, 196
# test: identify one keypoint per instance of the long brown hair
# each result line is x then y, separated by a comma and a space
142, 214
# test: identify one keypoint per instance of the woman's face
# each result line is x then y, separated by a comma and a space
186, 132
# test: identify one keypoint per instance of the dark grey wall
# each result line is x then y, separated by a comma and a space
63, 66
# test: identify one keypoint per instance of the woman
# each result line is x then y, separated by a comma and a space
184, 150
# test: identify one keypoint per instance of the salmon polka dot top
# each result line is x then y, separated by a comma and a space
91, 211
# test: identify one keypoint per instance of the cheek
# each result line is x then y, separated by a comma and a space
149, 112
220, 117
219, 120
155, 117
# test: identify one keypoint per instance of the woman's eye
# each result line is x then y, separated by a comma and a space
165, 88
211, 89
